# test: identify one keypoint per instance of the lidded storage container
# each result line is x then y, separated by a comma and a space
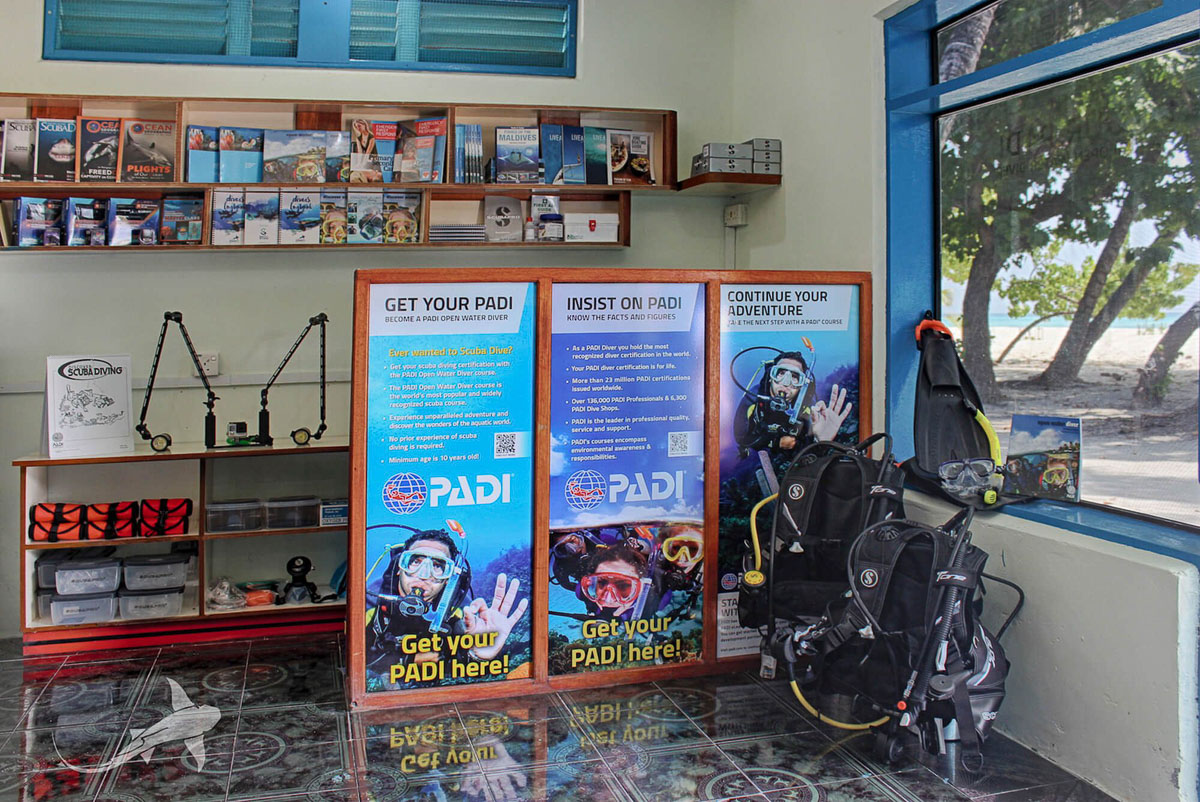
235, 515
289, 512
156, 571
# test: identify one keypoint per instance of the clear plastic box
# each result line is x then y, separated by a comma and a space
88, 608
155, 571
235, 515
151, 603
76, 577
290, 512
44, 598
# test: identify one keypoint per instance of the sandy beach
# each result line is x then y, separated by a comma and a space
1139, 459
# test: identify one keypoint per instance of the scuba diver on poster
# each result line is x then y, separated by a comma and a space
420, 612
778, 411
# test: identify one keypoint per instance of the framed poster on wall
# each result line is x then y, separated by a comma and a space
448, 502
626, 539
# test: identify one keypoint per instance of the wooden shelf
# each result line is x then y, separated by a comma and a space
107, 188
280, 608
728, 183
271, 532
142, 452
122, 541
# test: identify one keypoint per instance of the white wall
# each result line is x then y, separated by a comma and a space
250, 306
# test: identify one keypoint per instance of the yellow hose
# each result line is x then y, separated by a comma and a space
842, 725
754, 529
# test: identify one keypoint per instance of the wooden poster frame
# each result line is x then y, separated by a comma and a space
543, 280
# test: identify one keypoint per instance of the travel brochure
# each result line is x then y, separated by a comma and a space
1043, 457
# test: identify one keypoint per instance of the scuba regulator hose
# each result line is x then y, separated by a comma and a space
821, 717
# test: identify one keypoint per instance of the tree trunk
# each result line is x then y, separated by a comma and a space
1022, 333
961, 55
977, 333
1152, 379
1075, 346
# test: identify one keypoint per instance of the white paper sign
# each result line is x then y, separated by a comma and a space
88, 405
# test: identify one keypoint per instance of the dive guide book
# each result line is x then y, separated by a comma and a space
1043, 457
54, 159
147, 150
97, 142
17, 162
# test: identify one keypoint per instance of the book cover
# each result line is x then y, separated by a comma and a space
132, 221
89, 405
333, 217
147, 150
372, 151
38, 221
416, 159
502, 220
1044, 457
54, 157
460, 134
337, 157
572, 147
436, 128
182, 219
299, 216
595, 155
401, 216
364, 217
294, 156
629, 157
202, 154
228, 216
17, 162
552, 154
97, 141
85, 221
262, 217
516, 154
240, 155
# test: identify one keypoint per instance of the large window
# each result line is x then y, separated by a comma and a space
535, 37
1065, 140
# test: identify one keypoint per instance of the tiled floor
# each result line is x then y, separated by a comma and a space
268, 720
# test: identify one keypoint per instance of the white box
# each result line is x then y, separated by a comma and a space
771, 156
335, 512
582, 227
726, 150
765, 144
768, 168
700, 164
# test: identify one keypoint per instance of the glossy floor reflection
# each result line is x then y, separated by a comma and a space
141, 727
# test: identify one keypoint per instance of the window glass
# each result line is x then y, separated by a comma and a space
969, 44
1070, 248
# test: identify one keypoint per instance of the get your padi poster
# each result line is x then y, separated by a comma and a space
626, 475
449, 492
789, 376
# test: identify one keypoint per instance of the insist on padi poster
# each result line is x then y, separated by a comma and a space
449, 490
626, 476
789, 377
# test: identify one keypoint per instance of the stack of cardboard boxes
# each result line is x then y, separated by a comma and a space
760, 156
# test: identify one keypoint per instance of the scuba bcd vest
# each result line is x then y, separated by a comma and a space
829, 494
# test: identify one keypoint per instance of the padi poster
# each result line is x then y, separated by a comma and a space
626, 475
449, 488
789, 377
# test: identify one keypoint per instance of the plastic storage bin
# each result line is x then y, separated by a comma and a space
76, 577
47, 566
151, 603
290, 512
88, 608
236, 515
43, 604
155, 571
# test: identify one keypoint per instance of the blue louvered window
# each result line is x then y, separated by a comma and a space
535, 37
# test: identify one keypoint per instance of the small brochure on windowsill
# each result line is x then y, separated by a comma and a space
88, 406
1043, 457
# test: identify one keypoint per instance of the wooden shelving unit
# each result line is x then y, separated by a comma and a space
192, 471
441, 203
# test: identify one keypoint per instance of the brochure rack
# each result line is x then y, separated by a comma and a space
191, 471
442, 203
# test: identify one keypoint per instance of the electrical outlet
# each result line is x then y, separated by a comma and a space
210, 364
736, 215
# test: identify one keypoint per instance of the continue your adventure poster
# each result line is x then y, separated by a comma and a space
449, 483
789, 376
626, 475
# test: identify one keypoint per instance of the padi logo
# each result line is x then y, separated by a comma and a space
406, 493
728, 581
662, 485
89, 369
585, 490
869, 578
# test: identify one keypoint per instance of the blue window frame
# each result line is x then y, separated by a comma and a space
914, 98
528, 37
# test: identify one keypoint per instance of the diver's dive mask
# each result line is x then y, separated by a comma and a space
683, 549
969, 479
427, 564
611, 589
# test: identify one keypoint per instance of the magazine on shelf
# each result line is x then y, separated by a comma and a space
147, 150
333, 217
1044, 457
182, 219
38, 221
240, 157
294, 156
54, 157
401, 216
517, 154
85, 221
432, 127
132, 221
415, 154
552, 154
372, 151
228, 216
202, 154
364, 216
629, 157
17, 164
97, 142
572, 157
299, 216
502, 218
89, 405
595, 155
337, 157
262, 217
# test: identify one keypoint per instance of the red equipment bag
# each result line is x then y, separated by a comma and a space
155, 510
54, 531
109, 529
50, 512
112, 511
175, 525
